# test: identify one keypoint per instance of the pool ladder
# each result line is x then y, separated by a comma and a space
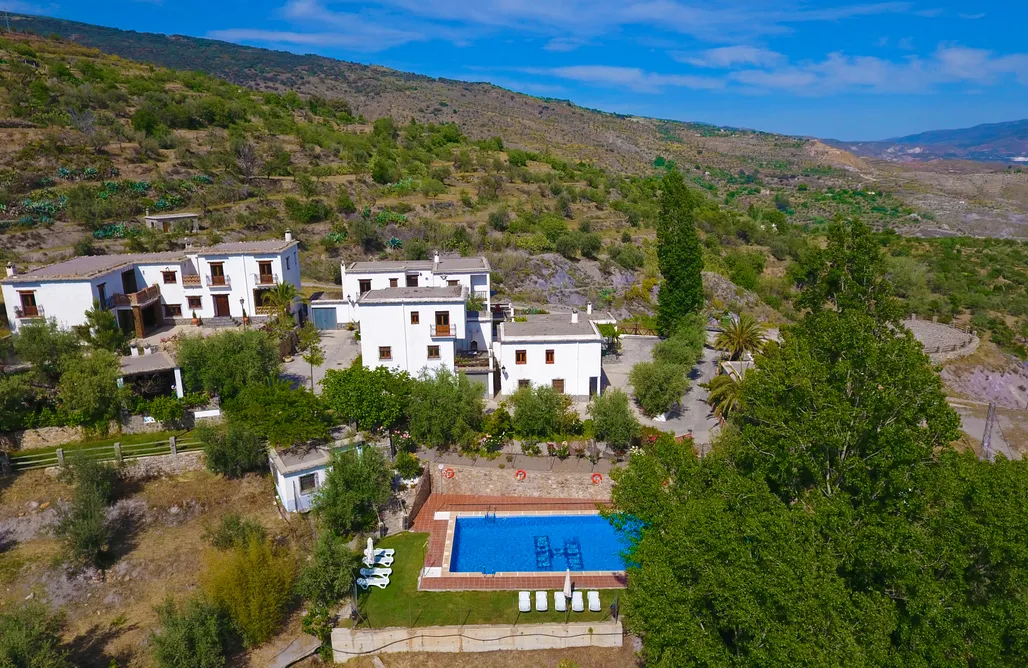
490, 514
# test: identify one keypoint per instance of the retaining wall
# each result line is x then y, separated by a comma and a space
156, 466
43, 437
347, 643
501, 482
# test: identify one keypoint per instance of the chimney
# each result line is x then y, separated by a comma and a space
574, 317
589, 308
11, 271
289, 235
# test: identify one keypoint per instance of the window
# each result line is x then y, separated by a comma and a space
558, 385
433, 352
415, 318
453, 284
308, 483
195, 302
173, 310
28, 304
364, 285
217, 273
264, 272
287, 262
524, 382
385, 353
520, 356
101, 291
394, 282
169, 277
549, 357
412, 280
442, 323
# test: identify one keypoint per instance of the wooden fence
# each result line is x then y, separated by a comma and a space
12, 463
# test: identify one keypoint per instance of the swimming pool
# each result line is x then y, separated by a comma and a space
535, 543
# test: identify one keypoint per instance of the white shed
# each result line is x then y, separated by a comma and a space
173, 222
300, 472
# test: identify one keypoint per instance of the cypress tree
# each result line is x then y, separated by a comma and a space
678, 254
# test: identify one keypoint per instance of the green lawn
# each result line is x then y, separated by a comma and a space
401, 604
124, 439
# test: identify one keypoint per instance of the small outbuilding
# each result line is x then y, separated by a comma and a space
299, 472
173, 222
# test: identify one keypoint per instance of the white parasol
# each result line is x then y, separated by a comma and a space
369, 553
567, 584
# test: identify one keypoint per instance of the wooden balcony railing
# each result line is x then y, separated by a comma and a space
141, 298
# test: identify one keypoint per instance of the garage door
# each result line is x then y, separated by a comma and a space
325, 318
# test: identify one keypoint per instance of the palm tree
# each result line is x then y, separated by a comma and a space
281, 297
740, 335
723, 395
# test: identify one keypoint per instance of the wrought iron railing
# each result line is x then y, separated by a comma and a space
219, 282
265, 279
29, 311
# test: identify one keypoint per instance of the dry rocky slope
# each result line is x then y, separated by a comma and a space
944, 198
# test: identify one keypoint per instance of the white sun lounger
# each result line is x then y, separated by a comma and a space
540, 601
524, 601
560, 604
381, 583
594, 601
576, 602
384, 552
376, 572
379, 561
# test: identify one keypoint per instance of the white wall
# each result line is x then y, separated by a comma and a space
67, 301
288, 488
389, 325
574, 361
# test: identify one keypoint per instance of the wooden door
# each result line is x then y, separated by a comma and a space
442, 323
128, 282
264, 269
217, 274
558, 385
221, 306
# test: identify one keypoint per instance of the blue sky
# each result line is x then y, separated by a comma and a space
839, 69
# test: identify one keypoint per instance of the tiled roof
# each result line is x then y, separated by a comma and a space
445, 265
447, 293
550, 328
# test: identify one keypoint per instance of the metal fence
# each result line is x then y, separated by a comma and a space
12, 463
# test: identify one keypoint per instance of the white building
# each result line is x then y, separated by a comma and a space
147, 289
562, 351
300, 472
173, 222
358, 278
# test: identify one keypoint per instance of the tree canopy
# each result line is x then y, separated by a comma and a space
373, 399
226, 363
280, 414
678, 254
355, 486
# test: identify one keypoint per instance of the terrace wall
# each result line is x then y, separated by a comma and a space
573, 481
347, 643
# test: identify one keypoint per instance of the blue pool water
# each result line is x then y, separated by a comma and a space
534, 543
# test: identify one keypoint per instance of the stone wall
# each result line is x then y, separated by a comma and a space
347, 643
43, 437
156, 466
501, 482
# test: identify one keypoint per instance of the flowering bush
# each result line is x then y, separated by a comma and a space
404, 442
561, 451
492, 442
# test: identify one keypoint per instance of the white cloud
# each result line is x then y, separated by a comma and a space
632, 78
369, 41
564, 44
729, 56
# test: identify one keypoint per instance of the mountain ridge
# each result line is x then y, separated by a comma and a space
1006, 141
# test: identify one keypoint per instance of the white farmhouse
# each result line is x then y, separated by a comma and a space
147, 289
559, 350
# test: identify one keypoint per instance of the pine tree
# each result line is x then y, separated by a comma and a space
678, 254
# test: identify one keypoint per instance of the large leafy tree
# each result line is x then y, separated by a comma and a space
226, 363
277, 412
43, 344
373, 399
445, 408
355, 487
88, 389
613, 419
833, 524
678, 254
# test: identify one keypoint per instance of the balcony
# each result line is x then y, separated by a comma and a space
465, 359
265, 279
191, 281
144, 297
216, 282
443, 331
26, 312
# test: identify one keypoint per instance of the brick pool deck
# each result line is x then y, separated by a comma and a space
437, 530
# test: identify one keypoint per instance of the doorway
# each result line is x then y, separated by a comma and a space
128, 282
221, 306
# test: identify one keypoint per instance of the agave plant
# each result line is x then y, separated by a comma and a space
739, 336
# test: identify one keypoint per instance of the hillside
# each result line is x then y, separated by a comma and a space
992, 142
738, 167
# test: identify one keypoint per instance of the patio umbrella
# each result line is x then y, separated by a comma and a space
369, 553
567, 584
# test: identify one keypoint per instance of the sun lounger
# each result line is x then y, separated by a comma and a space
376, 572
560, 604
540, 601
524, 601
379, 562
576, 602
594, 601
384, 552
381, 583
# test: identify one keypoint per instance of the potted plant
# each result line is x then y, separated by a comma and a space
196, 321
246, 318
